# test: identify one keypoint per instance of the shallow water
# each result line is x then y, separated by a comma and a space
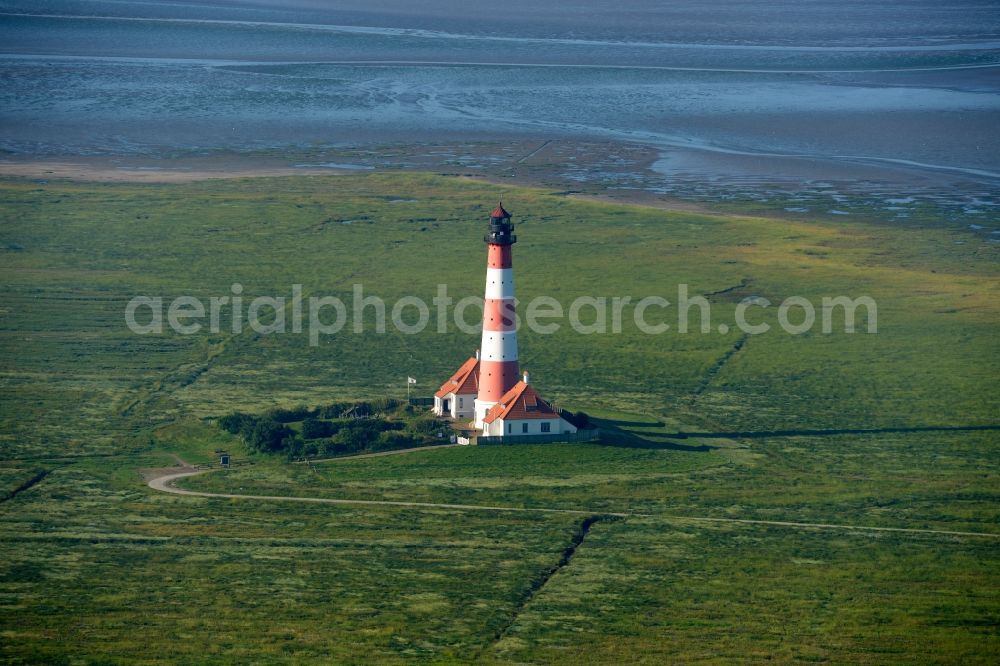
743, 92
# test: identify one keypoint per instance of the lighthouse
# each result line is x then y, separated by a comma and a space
489, 386
498, 367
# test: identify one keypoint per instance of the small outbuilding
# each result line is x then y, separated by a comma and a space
457, 396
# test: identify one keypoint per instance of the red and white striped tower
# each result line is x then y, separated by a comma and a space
498, 369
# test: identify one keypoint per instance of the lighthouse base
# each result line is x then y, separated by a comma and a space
482, 406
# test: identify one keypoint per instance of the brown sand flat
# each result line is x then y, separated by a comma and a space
647, 200
111, 174
104, 171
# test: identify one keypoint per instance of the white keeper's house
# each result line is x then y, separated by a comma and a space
521, 411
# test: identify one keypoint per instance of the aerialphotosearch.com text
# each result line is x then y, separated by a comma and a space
360, 312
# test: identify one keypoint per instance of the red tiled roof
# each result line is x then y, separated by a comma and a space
463, 382
500, 212
521, 402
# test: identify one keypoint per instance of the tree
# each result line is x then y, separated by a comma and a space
316, 429
236, 423
288, 415
389, 440
267, 436
292, 446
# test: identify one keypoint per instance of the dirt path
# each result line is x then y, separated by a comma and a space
830, 526
165, 484
150, 475
163, 481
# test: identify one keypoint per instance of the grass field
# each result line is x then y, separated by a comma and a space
96, 567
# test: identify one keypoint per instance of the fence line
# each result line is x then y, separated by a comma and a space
234, 463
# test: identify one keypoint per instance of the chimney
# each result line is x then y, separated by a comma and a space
525, 376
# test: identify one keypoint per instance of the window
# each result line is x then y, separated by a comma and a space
509, 426
524, 427
461, 403
546, 426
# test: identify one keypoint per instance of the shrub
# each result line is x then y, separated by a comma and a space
236, 422
335, 429
289, 415
334, 410
430, 426
292, 446
354, 439
268, 435
316, 429
395, 440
